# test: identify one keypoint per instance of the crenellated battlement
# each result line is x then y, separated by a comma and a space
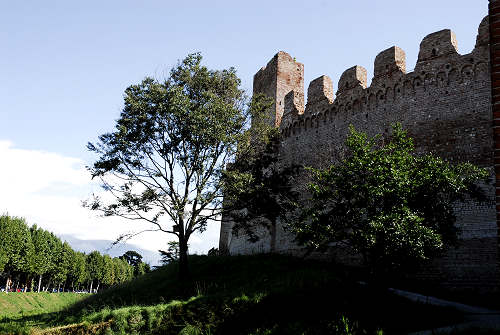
390, 65
442, 43
439, 68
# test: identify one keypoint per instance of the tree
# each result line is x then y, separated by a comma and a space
62, 265
386, 202
58, 261
77, 272
42, 259
95, 268
16, 247
132, 257
108, 275
122, 270
169, 149
142, 268
171, 254
258, 191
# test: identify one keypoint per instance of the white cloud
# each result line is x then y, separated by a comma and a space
47, 189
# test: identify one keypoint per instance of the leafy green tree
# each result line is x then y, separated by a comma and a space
122, 270
257, 190
171, 254
108, 276
78, 272
42, 259
56, 271
169, 149
16, 246
95, 268
61, 266
141, 268
387, 203
132, 257
5, 242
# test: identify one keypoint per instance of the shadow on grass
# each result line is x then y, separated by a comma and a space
248, 295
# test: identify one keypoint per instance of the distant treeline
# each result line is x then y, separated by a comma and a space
33, 259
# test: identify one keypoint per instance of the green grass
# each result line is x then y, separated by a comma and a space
32, 303
19, 311
239, 295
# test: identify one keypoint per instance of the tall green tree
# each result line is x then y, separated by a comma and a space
134, 259
16, 247
108, 276
122, 270
95, 268
387, 203
42, 259
77, 272
257, 190
169, 149
61, 265
171, 254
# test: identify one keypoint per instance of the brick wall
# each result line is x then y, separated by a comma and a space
445, 104
494, 32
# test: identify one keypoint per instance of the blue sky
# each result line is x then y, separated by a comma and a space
65, 64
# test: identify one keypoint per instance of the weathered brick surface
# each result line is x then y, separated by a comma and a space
281, 75
494, 42
446, 106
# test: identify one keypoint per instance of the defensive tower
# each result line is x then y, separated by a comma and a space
281, 75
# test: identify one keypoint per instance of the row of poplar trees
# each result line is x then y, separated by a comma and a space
36, 259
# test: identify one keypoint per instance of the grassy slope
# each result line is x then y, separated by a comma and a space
15, 304
242, 295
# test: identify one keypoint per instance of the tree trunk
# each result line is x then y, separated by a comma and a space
273, 236
39, 282
183, 260
58, 287
97, 288
7, 284
91, 283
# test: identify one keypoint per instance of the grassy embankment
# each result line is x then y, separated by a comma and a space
238, 295
22, 304
17, 306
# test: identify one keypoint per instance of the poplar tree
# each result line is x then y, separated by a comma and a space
42, 258
16, 247
95, 268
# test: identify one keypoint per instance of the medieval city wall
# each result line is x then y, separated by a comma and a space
444, 104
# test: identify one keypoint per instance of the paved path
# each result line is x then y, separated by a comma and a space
474, 316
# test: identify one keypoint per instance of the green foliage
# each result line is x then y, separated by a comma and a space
16, 246
386, 202
171, 254
95, 266
169, 148
257, 191
77, 271
33, 258
134, 259
42, 261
